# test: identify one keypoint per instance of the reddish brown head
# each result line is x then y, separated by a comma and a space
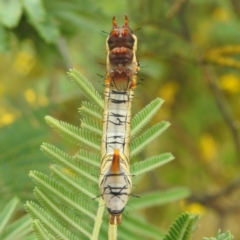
120, 36
121, 63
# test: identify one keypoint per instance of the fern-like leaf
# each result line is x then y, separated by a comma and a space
89, 109
221, 236
68, 195
74, 134
145, 115
182, 227
67, 216
142, 227
92, 126
40, 232
74, 183
57, 230
157, 198
151, 163
147, 137
84, 207
7, 213
88, 157
18, 229
51, 186
85, 87
71, 164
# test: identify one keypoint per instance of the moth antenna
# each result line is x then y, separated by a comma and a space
114, 22
137, 29
105, 32
135, 196
100, 75
126, 21
97, 197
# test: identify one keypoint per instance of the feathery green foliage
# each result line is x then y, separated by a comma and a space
40, 232
85, 87
91, 125
7, 213
74, 134
145, 115
151, 163
138, 144
143, 228
9, 229
221, 236
78, 185
182, 227
89, 109
88, 157
70, 164
49, 222
158, 198
66, 212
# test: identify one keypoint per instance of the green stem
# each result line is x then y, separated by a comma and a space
112, 231
98, 221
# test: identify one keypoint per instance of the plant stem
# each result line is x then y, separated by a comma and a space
112, 230
98, 221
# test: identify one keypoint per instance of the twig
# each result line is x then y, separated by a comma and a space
207, 200
223, 107
175, 8
236, 6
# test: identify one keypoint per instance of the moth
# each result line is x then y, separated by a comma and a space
115, 181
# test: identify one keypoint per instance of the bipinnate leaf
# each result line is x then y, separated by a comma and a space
7, 213
19, 229
89, 109
221, 236
138, 144
182, 227
85, 87
150, 163
145, 115
49, 223
157, 198
74, 134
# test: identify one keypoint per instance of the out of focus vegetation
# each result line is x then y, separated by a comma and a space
190, 56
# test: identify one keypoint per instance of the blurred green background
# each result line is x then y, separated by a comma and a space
189, 53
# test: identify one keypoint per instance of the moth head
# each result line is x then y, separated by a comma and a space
123, 31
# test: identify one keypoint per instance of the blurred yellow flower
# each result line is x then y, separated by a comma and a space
7, 118
201, 35
168, 92
221, 15
208, 147
30, 96
195, 208
230, 83
23, 63
43, 101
